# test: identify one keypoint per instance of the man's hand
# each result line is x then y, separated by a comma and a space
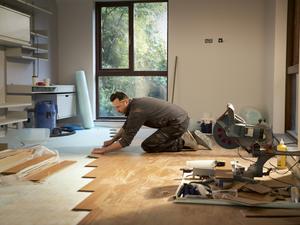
98, 151
107, 143
110, 148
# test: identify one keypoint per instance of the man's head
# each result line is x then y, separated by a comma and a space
120, 101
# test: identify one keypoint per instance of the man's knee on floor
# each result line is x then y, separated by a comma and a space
147, 148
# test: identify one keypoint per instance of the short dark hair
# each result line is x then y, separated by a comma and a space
118, 95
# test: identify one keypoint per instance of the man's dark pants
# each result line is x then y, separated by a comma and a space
166, 139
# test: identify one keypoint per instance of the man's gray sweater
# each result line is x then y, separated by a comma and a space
150, 112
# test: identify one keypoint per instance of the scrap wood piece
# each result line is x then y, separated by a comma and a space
49, 171
237, 185
259, 188
14, 160
224, 171
270, 213
280, 181
26, 164
257, 197
250, 198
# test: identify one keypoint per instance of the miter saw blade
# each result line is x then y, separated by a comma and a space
222, 139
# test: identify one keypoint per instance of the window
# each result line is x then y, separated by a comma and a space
131, 53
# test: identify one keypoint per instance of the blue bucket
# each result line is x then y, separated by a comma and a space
45, 114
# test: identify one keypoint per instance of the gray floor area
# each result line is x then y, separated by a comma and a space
51, 202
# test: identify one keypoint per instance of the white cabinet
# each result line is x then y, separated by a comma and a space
66, 105
14, 27
64, 96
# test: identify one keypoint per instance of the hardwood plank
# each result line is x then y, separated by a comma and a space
224, 171
49, 171
8, 153
21, 166
11, 152
88, 219
91, 164
88, 203
13, 160
91, 174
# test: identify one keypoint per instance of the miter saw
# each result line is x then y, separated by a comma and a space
232, 131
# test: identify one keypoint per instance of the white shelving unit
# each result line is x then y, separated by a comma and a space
21, 42
11, 111
13, 117
25, 6
13, 104
32, 6
27, 53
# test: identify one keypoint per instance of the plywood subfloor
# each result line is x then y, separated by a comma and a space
138, 188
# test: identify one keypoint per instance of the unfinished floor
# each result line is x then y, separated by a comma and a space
133, 188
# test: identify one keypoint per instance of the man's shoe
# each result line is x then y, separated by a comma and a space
202, 139
189, 140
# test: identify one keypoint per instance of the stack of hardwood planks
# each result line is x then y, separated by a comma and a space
34, 163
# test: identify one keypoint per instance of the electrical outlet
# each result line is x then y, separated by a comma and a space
208, 40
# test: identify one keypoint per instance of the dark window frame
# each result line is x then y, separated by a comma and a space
292, 59
120, 72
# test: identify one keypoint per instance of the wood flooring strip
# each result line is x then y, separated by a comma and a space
91, 174
14, 160
92, 164
8, 153
11, 152
271, 212
90, 187
21, 166
94, 156
88, 203
90, 218
108, 178
49, 171
101, 161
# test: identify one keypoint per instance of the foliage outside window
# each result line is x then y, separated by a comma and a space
131, 51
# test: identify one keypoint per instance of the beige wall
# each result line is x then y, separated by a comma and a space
75, 42
240, 70
269, 43
210, 75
